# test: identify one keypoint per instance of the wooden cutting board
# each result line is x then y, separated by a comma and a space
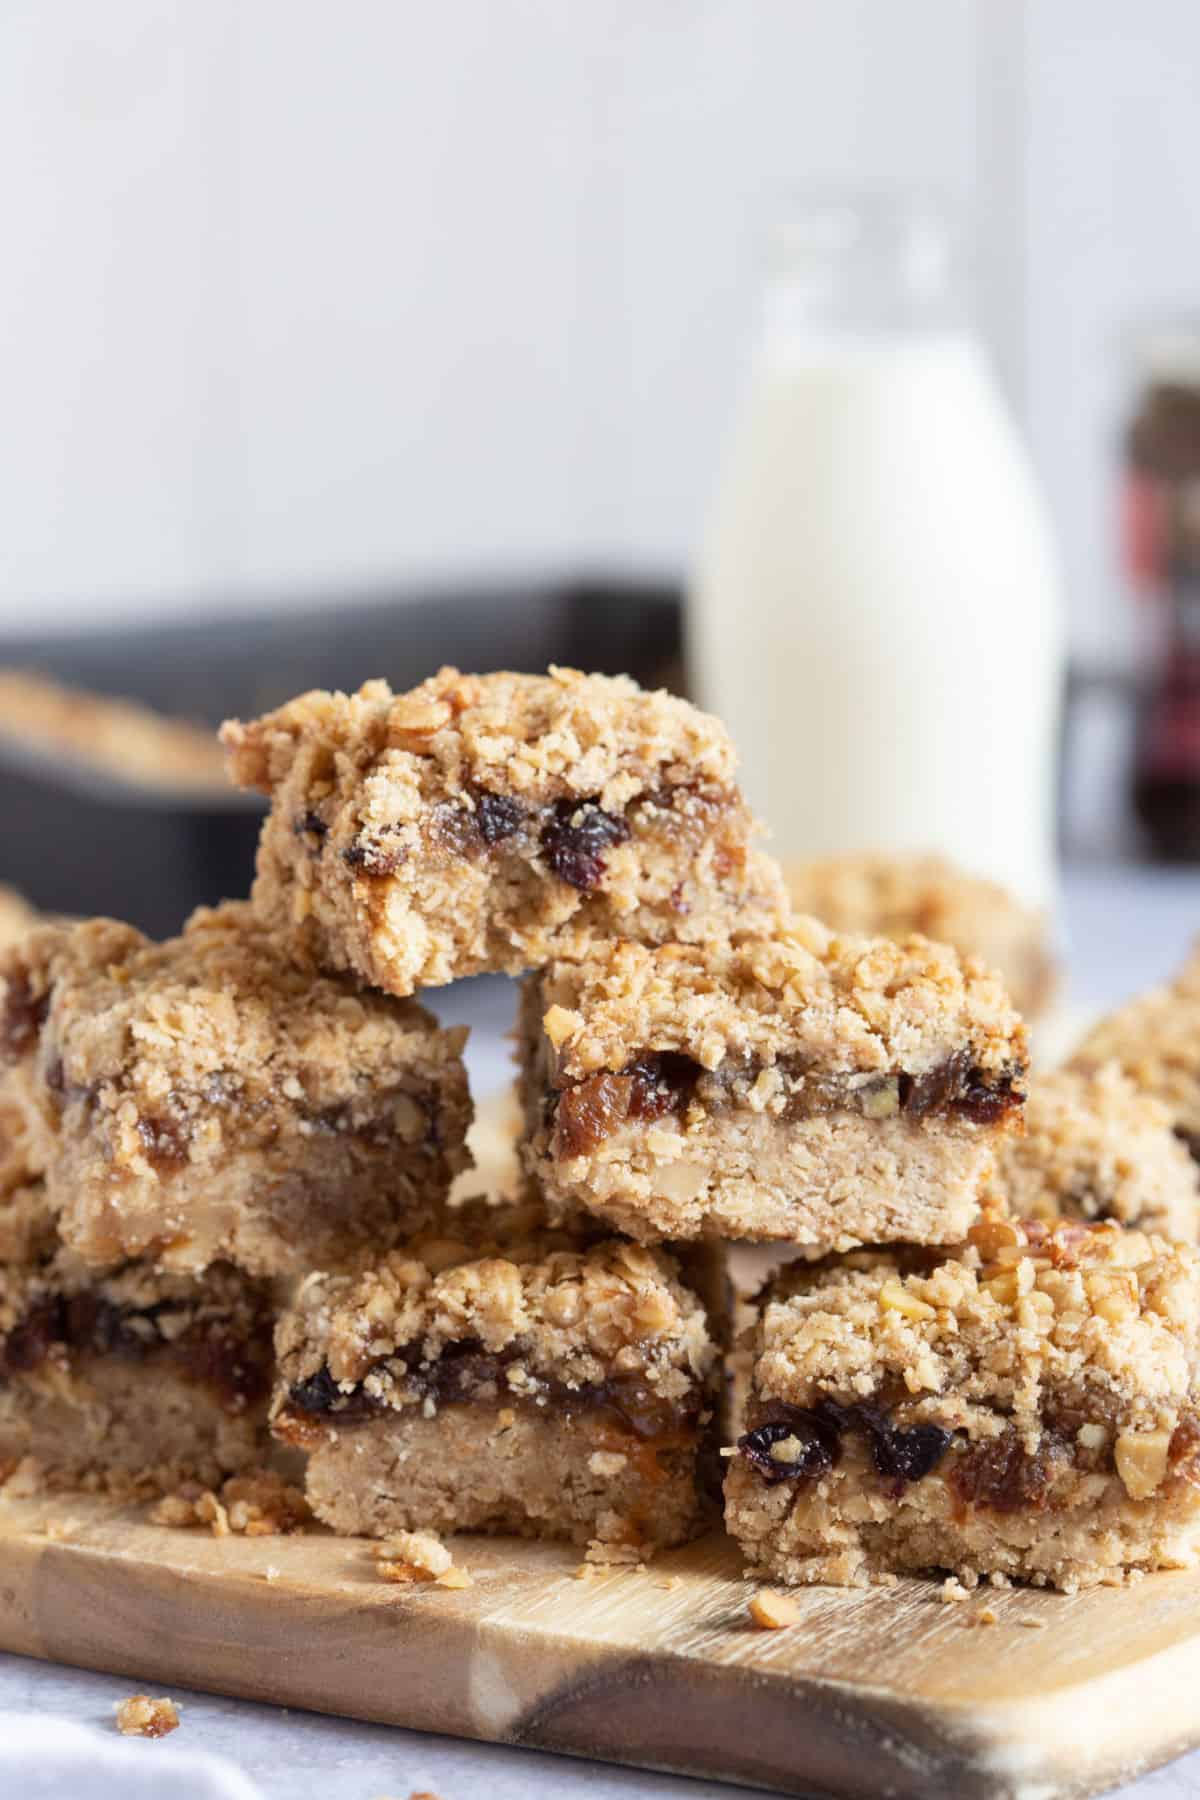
876, 1692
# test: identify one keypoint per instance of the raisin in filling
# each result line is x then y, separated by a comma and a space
575, 838
465, 1374
1191, 1139
373, 857
656, 1083
804, 1443
23, 1016
236, 1365
1000, 1473
498, 816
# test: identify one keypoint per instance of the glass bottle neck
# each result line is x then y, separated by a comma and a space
874, 268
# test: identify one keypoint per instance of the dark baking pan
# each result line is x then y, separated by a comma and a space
77, 839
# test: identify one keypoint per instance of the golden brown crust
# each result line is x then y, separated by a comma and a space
576, 1315
887, 894
490, 822
851, 1004
202, 1098
1094, 1147
1023, 1317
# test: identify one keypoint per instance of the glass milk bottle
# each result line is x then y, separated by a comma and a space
875, 611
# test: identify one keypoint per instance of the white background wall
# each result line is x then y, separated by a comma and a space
294, 294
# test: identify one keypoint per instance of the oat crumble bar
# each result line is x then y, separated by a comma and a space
822, 1090
530, 1384
1155, 1040
133, 1372
201, 1099
1096, 1148
893, 895
1025, 1407
492, 822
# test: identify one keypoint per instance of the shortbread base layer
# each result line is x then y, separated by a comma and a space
108, 1416
479, 1468
830, 1182
852, 1526
271, 1213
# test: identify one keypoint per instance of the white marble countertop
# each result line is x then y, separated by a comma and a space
1125, 929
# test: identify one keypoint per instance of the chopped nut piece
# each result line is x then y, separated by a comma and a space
210, 1511
559, 1023
139, 1716
606, 1462
421, 1549
894, 1298
1141, 1459
773, 1612
258, 1504
455, 1578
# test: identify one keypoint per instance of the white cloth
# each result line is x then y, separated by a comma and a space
51, 1759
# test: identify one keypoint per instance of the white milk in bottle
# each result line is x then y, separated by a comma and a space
875, 613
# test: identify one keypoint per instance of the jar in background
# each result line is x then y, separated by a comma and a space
875, 608
1162, 558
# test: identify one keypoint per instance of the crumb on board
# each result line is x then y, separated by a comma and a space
418, 1556
617, 1554
773, 1612
998, 1579
24, 1479
986, 1615
140, 1716
259, 1504
670, 1582
952, 1590
60, 1531
1031, 1623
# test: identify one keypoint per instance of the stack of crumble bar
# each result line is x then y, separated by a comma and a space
979, 1355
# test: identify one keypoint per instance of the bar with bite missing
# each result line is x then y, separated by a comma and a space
492, 822
820, 1090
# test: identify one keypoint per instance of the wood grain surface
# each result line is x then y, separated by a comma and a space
886, 1691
